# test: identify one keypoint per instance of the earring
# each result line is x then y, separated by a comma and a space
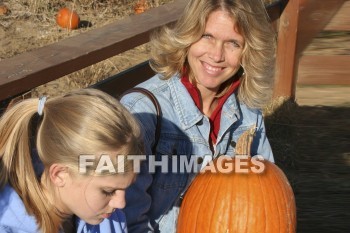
241, 70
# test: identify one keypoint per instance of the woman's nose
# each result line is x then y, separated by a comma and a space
118, 200
216, 52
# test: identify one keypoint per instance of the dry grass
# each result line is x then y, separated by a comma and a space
31, 24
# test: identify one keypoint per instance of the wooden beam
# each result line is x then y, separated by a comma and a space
28, 70
324, 70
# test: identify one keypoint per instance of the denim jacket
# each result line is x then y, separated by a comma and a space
154, 199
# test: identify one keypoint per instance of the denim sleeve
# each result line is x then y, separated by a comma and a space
116, 223
138, 200
138, 203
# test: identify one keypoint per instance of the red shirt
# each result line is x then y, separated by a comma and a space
215, 117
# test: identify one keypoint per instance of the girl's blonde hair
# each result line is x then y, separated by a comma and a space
170, 45
87, 121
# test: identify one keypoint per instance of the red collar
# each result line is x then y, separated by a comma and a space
216, 115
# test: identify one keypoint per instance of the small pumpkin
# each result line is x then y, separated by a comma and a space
140, 7
227, 202
4, 10
67, 18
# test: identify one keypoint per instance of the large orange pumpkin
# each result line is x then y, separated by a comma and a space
239, 202
66, 18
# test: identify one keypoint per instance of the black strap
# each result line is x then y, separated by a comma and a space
158, 109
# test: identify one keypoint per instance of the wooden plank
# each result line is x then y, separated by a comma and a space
28, 70
341, 21
314, 16
324, 70
331, 95
286, 47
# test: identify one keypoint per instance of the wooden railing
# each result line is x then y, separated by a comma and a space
25, 71
28, 70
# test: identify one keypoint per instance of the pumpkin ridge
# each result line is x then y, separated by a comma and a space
231, 192
249, 198
281, 196
216, 194
254, 192
199, 207
253, 203
243, 185
233, 210
210, 189
273, 188
281, 178
281, 189
264, 198
204, 193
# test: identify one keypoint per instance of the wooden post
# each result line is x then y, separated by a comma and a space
286, 62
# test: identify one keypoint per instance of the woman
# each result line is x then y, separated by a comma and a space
215, 71
51, 169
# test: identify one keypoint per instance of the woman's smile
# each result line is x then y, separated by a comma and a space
212, 70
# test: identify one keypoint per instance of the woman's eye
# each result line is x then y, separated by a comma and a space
235, 44
207, 36
107, 193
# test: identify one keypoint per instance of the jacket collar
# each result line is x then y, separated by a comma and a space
190, 115
188, 112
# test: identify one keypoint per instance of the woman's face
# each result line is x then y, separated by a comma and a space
216, 57
94, 198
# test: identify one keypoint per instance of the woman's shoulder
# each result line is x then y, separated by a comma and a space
158, 86
13, 215
248, 114
249, 110
153, 84
234, 105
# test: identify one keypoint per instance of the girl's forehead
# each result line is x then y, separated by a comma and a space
115, 181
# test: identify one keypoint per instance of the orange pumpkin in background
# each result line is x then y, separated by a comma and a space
239, 202
66, 18
140, 6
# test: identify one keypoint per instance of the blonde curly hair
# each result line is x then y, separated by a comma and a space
170, 45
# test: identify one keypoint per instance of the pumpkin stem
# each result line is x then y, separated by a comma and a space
244, 142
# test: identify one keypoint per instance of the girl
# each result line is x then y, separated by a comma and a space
45, 176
